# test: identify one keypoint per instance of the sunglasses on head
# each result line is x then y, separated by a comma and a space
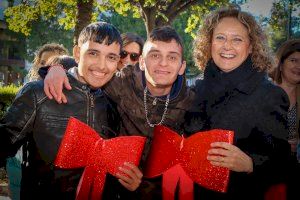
133, 56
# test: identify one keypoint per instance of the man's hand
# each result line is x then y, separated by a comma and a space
54, 82
223, 154
132, 178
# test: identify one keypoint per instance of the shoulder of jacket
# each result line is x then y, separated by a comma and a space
273, 94
35, 88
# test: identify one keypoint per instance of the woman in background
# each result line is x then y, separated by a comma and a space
13, 166
42, 56
287, 76
131, 50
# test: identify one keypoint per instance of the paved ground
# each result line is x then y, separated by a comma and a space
3, 185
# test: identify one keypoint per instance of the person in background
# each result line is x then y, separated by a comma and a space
131, 51
236, 95
287, 76
13, 166
67, 61
42, 56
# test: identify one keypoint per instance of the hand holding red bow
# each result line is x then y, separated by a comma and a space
184, 161
83, 147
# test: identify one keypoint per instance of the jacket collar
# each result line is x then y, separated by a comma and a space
245, 78
176, 87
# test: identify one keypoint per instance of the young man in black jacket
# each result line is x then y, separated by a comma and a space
34, 118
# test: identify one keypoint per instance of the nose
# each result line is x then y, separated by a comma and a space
227, 44
164, 61
102, 62
127, 60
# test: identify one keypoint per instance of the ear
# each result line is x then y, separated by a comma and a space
76, 53
142, 63
182, 68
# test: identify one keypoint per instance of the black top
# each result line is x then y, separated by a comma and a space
245, 101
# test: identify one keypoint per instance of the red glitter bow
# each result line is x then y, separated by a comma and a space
184, 161
83, 147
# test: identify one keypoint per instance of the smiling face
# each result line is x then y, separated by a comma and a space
96, 62
230, 44
291, 68
162, 63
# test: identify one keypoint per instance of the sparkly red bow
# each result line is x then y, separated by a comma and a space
83, 147
184, 160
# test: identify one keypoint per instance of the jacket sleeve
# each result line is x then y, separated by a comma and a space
117, 86
43, 71
17, 122
272, 164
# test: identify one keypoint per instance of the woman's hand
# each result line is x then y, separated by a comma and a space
54, 82
223, 154
132, 178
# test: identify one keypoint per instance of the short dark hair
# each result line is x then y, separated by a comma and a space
128, 38
165, 34
100, 32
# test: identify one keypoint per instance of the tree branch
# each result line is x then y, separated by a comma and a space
186, 4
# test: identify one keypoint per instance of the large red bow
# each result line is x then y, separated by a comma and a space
184, 160
83, 147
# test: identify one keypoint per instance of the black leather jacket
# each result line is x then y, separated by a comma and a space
40, 123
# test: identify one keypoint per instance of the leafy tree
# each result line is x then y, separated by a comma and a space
284, 22
69, 13
79, 13
47, 31
125, 24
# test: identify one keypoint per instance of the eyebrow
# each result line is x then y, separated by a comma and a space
95, 50
157, 51
232, 35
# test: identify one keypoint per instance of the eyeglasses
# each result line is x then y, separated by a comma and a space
133, 56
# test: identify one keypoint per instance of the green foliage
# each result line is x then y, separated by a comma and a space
22, 18
126, 24
19, 18
180, 25
198, 12
7, 95
277, 28
47, 31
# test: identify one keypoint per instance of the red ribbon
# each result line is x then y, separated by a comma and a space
82, 146
184, 161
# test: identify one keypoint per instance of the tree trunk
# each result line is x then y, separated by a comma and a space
83, 17
152, 20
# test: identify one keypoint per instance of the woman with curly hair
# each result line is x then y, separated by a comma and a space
41, 57
235, 94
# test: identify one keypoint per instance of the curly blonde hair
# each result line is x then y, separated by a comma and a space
261, 56
51, 47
